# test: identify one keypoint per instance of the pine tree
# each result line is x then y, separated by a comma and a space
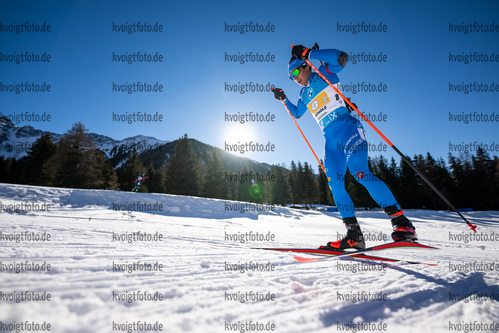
130, 171
296, 183
58, 169
114, 183
280, 188
437, 172
155, 180
408, 186
495, 184
96, 173
41, 151
427, 168
90, 161
395, 184
109, 175
233, 190
201, 172
6, 170
215, 185
76, 162
181, 171
457, 174
310, 187
293, 183
244, 187
483, 180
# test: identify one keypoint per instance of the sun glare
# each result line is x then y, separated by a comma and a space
243, 133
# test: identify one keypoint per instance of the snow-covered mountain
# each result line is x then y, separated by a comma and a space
15, 141
121, 261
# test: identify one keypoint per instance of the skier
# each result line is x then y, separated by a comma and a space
137, 182
345, 143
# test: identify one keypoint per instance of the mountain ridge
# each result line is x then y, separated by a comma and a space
16, 141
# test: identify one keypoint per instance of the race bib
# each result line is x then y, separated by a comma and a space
325, 102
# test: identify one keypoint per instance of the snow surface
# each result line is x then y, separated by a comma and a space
195, 284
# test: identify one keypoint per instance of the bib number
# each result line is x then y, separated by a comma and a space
325, 102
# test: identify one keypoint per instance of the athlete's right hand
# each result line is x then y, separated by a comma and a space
279, 94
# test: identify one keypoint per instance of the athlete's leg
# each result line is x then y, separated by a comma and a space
357, 153
359, 168
336, 166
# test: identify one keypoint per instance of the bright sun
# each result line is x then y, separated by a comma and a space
243, 133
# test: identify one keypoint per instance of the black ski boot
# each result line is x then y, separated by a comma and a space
403, 230
353, 240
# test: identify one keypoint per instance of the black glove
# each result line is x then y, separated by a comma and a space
349, 108
298, 50
279, 94
342, 59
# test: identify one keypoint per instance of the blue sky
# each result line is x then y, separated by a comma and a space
194, 73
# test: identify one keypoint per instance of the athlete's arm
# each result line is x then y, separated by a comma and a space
296, 111
335, 60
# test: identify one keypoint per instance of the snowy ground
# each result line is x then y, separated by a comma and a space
188, 283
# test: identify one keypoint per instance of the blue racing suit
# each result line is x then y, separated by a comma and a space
345, 143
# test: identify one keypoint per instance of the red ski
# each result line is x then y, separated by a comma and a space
334, 254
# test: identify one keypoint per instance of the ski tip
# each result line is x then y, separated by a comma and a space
301, 259
426, 246
425, 263
405, 243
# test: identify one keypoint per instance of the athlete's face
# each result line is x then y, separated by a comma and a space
303, 76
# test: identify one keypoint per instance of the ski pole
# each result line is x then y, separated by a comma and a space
309, 146
433, 187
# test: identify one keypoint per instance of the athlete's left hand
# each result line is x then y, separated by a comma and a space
349, 108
